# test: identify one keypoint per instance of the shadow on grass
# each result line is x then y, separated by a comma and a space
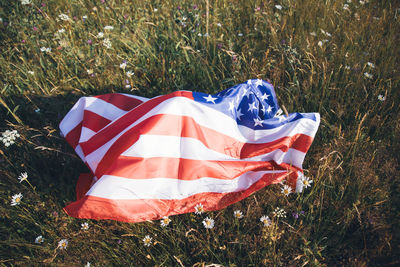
52, 165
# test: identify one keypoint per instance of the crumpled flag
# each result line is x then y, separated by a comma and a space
157, 157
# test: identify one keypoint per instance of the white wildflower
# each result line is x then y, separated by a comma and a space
208, 223
122, 65
165, 221
199, 209
199, 34
368, 75
130, 73
84, 226
280, 213
371, 65
62, 244
39, 239
100, 35
381, 98
89, 71
278, 7
16, 199
107, 43
8, 137
26, 2
219, 25
320, 44
306, 181
155, 10
23, 176
64, 17
84, 17
240, 34
347, 67
362, 2
108, 28
238, 214
286, 190
147, 241
346, 7
313, 34
326, 33
31, 72
266, 220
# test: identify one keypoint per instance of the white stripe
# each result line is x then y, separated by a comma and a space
86, 133
93, 104
212, 119
150, 146
114, 187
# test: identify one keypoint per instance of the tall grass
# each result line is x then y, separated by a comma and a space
316, 53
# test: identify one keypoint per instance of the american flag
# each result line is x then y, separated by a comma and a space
157, 157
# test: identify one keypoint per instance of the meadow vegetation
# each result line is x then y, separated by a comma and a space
339, 58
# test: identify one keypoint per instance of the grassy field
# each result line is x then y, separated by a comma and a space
339, 58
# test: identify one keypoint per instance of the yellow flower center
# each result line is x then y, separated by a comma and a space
208, 222
18, 199
305, 182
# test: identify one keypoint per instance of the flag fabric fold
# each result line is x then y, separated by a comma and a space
157, 157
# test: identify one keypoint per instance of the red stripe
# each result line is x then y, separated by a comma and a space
184, 169
120, 101
186, 127
74, 135
94, 121
123, 122
138, 210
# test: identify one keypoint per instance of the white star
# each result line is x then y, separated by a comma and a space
249, 82
259, 82
269, 109
209, 98
231, 106
252, 106
264, 96
239, 114
263, 109
244, 92
257, 121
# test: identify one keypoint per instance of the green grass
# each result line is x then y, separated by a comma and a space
351, 213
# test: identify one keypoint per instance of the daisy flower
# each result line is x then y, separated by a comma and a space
39, 239
147, 241
165, 221
16, 199
62, 244
108, 28
286, 190
265, 220
238, 214
278, 7
23, 177
306, 181
368, 75
208, 223
371, 65
130, 73
199, 209
84, 226
381, 98
100, 35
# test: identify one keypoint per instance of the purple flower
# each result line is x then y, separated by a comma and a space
89, 41
35, 28
219, 45
103, 1
179, 7
43, 4
194, 6
23, 41
127, 81
295, 215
